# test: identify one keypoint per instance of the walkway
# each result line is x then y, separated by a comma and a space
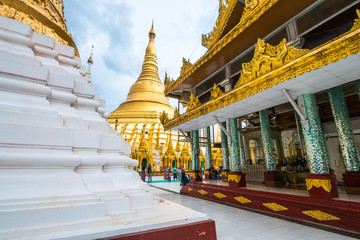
236, 224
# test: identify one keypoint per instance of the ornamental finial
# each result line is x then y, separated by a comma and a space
152, 32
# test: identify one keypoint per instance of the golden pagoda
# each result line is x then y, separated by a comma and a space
45, 17
139, 116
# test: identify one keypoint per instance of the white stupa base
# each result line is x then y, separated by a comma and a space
165, 214
64, 172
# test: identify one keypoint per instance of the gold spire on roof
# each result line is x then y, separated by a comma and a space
152, 32
146, 95
151, 46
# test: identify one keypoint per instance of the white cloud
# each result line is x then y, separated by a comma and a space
119, 30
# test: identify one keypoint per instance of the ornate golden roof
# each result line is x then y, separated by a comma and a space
146, 95
272, 65
45, 17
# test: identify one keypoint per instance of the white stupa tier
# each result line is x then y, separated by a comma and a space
64, 172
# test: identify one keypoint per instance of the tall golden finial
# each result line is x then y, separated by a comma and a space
152, 32
151, 46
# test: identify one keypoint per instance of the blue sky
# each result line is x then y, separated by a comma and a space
118, 29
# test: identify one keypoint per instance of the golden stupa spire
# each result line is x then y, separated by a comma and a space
147, 93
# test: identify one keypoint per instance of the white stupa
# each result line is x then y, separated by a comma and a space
64, 172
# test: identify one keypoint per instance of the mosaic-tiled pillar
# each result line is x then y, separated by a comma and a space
319, 183
349, 150
236, 178
271, 176
241, 149
301, 135
357, 85
235, 165
267, 141
195, 174
225, 153
208, 153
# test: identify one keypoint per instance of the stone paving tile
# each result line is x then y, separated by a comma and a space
233, 223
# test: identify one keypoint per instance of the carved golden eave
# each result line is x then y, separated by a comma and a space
164, 118
298, 63
176, 113
246, 20
185, 67
194, 103
225, 9
216, 92
268, 58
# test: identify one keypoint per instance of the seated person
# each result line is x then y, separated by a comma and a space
216, 174
219, 174
212, 173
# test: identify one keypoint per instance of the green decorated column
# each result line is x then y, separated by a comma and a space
349, 150
195, 175
208, 153
319, 183
236, 178
225, 153
271, 176
301, 135
241, 149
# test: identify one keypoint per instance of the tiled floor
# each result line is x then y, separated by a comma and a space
175, 187
233, 223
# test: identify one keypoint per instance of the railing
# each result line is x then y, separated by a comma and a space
254, 172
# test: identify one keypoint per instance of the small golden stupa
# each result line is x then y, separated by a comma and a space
138, 118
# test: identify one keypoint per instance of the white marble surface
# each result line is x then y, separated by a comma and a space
64, 172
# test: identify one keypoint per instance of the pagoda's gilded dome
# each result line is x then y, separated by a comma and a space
147, 93
44, 16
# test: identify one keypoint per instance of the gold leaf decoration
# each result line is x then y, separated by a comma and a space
190, 189
275, 207
321, 216
225, 9
250, 6
242, 200
186, 65
268, 58
194, 103
219, 195
216, 92
236, 178
245, 22
345, 45
176, 113
324, 183
202, 192
164, 118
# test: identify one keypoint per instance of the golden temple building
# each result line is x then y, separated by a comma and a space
266, 62
138, 118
